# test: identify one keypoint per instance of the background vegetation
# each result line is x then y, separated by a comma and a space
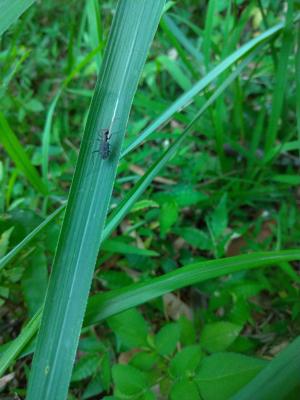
232, 188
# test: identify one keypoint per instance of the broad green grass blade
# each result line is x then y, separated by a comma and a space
11, 10
18, 155
185, 99
17, 249
278, 379
103, 305
280, 82
89, 198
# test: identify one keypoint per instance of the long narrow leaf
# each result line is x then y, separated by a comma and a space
15, 347
280, 82
17, 249
103, 305
277, 379
185, 99
18, 155
89, 199
10, 11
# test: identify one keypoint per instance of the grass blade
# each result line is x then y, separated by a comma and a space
89, 197
280, 82
15, 348
104, 305
18, 155
10, 11
46, 135
165, 24
298, 83
209, 21
280, 376
181, 38
185, 99
95, 27
17, 249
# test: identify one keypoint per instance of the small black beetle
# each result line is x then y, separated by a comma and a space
104, 147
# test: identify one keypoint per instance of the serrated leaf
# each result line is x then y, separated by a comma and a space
86, 367
166, 339
34, 281
144, 361
168, 215
94, 388
4, 241
222, 375
187, 331
187, 196
185, 362
185, 390
218, 336
218, 219
130, 327
195, 237
128, 380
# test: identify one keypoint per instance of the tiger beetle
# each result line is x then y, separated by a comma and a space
104, 147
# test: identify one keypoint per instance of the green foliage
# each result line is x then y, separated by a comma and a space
166, 339
207, 199
129, 381
10, 12
130, 327
280, 379
218, 336
185, 362
221, 375
18, 155
184, 389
